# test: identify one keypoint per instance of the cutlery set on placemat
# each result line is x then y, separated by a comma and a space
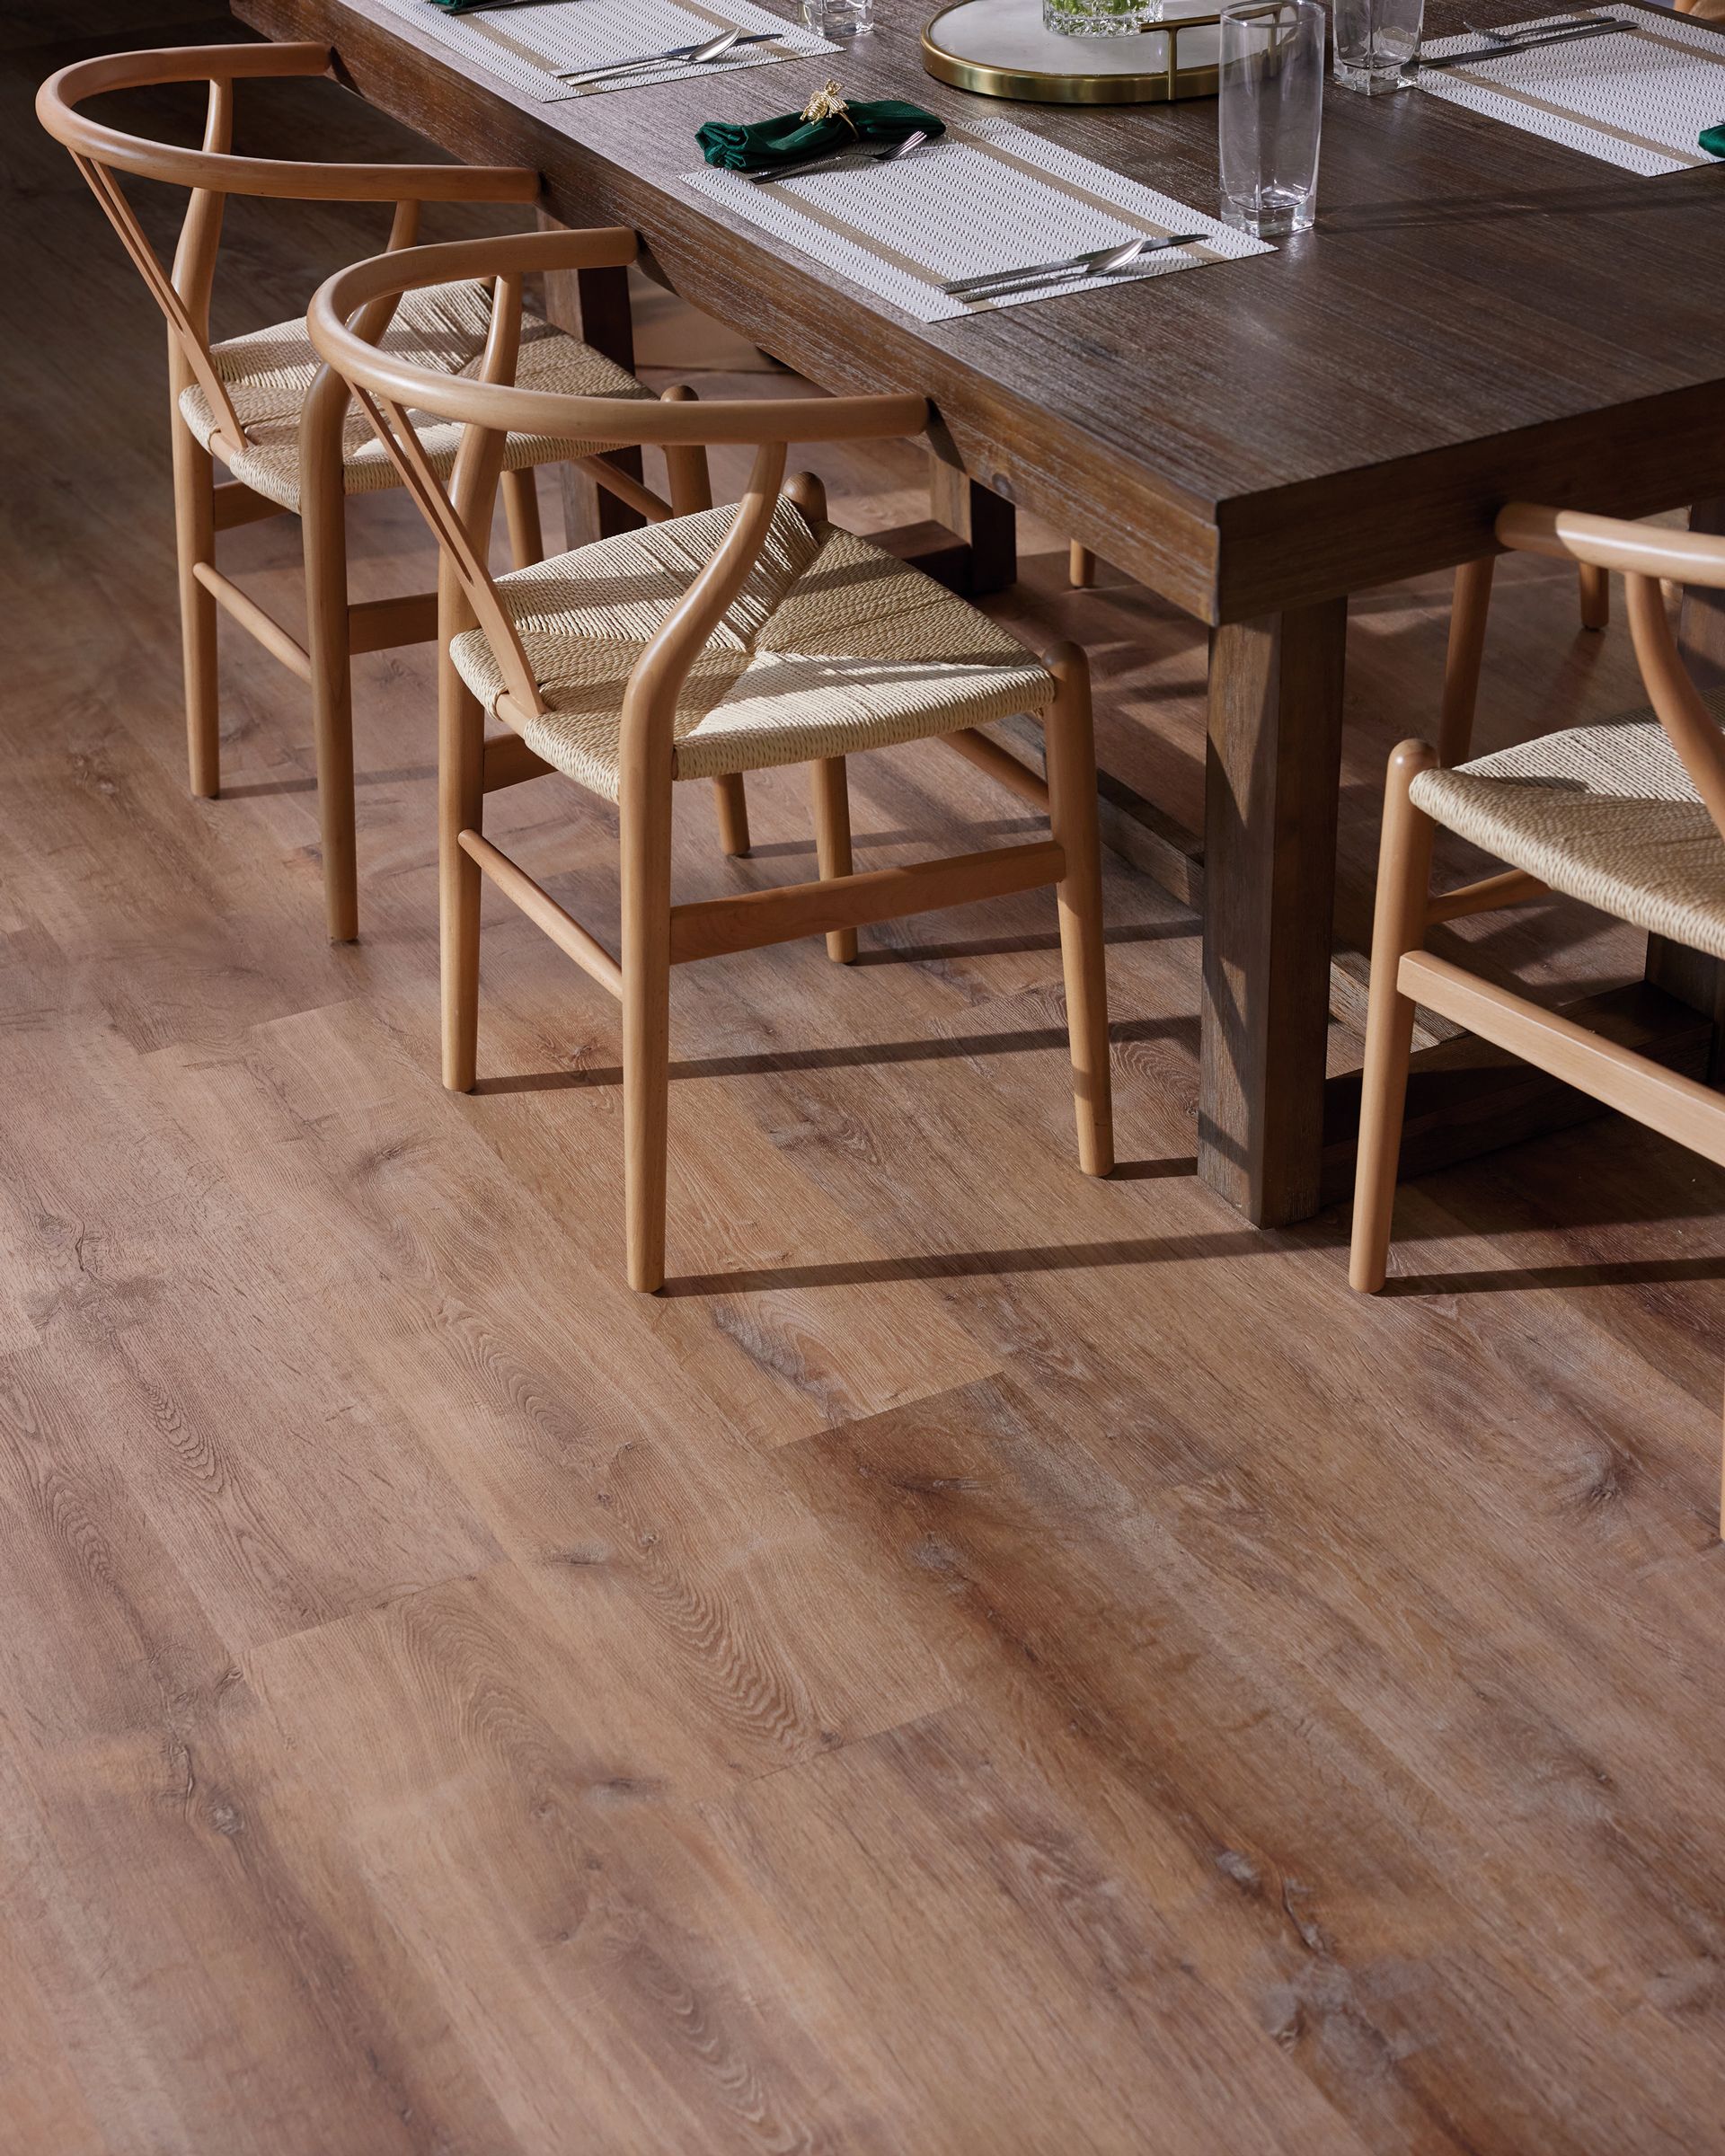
1499, 44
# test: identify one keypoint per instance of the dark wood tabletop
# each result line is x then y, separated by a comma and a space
1480, 315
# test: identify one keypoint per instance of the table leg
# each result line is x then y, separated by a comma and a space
1691, 975
593, 304
986, 522
1272, 786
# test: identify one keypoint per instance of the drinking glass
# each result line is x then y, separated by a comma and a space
1270, 106
1374, 37
839, 19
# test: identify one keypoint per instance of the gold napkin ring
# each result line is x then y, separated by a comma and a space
829, 103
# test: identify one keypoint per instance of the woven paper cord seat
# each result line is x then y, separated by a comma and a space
832, 646
269, 373
1604, 814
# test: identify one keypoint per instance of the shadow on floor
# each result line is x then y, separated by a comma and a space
955, 1265
1648, 1272
765, 1063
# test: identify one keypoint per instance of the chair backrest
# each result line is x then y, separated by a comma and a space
345, 328
212, 172
1644, 553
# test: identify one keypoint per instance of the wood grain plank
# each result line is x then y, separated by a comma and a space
1263, 1716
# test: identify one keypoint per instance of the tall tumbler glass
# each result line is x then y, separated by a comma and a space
1374, 37
1270, 109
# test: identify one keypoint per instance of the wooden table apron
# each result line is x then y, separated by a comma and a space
1480, 316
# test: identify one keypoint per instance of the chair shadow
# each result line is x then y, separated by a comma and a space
263, 789
987, 947
1629, 1272
765, 1063
1013, 827
959, 1265
1153, 1171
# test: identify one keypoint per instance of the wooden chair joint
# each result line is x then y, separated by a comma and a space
711, 928
1512, 886
251, 617
1679, 1108
617, 482
1001, 764
542, 910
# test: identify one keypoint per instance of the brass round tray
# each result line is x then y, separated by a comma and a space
999, 48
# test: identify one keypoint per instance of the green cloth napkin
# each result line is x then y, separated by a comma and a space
1712, 140
790, 138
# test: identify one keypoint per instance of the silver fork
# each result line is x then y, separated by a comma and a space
819, 165
1102, 263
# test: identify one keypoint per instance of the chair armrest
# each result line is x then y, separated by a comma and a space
1636, 549
60, 96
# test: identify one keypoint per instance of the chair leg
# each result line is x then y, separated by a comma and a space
1083, 955
1080, 566
646, 818
830, 792
194, 531
323, 532
1403, 880
521, 514
1596, 595
733, 803
461, 797
1467, 617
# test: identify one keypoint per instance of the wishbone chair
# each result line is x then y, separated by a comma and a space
1628, 815
283, 427
729, 641
1470, 606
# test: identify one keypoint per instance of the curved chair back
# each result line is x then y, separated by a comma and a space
346, 322
212, 172
1644, 553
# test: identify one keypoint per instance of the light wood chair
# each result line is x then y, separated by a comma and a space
1470, 607
1629, 817
283, 427
701, 646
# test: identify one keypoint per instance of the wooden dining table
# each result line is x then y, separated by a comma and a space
1479, 316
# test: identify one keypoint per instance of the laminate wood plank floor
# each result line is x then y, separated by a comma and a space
988, 1663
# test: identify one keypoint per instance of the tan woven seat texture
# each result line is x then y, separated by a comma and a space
269, 373
1604, 814
832, 646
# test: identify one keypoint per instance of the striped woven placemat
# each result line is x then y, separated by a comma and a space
528, 46
1640, 100
988, 195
